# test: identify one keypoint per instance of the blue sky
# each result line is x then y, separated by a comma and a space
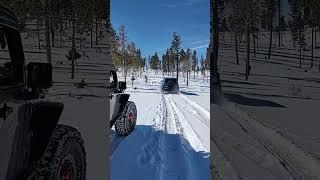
151, 23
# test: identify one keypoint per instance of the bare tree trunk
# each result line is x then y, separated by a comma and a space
312, 47
293, 42
279, 10
248, 19
125, 69
52, 32
46, 17
81, 40
257, 42
91, 25
270, 40
188, 77
73, 40
61, 27
97, 38
254, 44
215, 83
38, 32
177, 64
194, 72
300, 47
100, 27
236, 42
315, 37
183, 75
248, 50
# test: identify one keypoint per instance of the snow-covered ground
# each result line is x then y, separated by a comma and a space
171, 139
273, 129
84, 108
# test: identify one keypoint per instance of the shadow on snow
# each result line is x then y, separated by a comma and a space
251, 101
143, 155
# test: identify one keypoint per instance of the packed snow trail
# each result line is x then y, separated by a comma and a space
180, 118
195, 123
171, 140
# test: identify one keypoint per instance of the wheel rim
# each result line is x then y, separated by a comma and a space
131, 117
67, 171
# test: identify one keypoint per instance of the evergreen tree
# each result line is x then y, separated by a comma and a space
175, 48
155, 62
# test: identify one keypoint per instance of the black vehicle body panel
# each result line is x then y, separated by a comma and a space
35, 120
36, 123
170, 85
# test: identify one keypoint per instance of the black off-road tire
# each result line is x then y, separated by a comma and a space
65, 151
126, 123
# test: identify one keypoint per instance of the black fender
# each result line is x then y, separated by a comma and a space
44, 119
36, 123
123, 99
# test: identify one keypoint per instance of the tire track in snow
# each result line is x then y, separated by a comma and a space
166, 150
201, 111
176, 158
297, 162
195, 122
152, 152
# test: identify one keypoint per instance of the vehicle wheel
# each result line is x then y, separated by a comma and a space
64, 158
127, 121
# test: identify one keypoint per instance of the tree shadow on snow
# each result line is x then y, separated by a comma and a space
148, 152
245, 83
188, 93
141, 88
251, 101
